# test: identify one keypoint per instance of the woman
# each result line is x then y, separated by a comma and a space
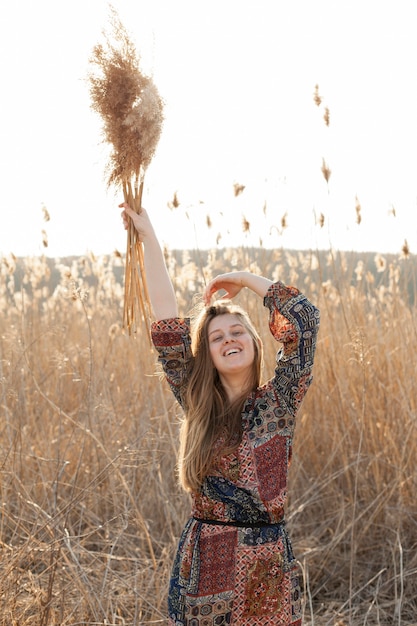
234, 563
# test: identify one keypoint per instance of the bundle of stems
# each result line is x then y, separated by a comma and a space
136, 297
132, 113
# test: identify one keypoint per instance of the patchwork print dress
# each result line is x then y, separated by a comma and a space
234, 563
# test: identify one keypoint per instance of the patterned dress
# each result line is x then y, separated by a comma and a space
234, 563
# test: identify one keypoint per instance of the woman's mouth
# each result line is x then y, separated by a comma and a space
231, 351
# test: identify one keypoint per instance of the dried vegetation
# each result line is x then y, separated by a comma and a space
131, 111
90, 508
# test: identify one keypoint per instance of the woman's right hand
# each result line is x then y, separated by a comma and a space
160, 289
141, 221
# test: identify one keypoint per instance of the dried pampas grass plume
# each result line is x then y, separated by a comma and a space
44, 238
45, 214
132, 113
326, 171
405, 250
245, 225
316, 96
358, 210
174, 203
238, 189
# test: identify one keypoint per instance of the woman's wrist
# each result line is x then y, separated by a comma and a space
258, 284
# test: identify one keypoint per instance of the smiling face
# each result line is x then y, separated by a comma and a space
231, 346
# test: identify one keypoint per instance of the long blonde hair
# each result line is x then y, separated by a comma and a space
208, 413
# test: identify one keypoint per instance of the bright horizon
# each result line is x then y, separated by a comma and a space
238, 80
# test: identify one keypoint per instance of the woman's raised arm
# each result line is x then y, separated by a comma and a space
160, 288
233, 282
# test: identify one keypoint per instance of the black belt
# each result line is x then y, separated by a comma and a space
239, 524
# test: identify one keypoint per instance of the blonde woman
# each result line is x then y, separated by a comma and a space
234, 563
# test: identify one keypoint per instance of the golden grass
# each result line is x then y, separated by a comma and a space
90, 508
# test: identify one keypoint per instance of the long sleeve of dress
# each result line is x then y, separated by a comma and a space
172, 341
294, 322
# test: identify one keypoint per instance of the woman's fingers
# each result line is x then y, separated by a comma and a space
217, 284
125, 219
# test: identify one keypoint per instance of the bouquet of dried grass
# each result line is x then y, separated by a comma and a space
132, 113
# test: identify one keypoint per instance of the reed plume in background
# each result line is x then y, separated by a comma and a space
132, 113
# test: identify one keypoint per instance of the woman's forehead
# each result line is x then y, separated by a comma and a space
224, 322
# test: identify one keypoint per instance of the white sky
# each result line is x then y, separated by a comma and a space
237, 77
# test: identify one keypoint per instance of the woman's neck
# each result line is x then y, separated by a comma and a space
234, 386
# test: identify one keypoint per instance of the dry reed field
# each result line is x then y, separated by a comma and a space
90, 507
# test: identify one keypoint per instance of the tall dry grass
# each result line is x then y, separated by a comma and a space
90, 507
